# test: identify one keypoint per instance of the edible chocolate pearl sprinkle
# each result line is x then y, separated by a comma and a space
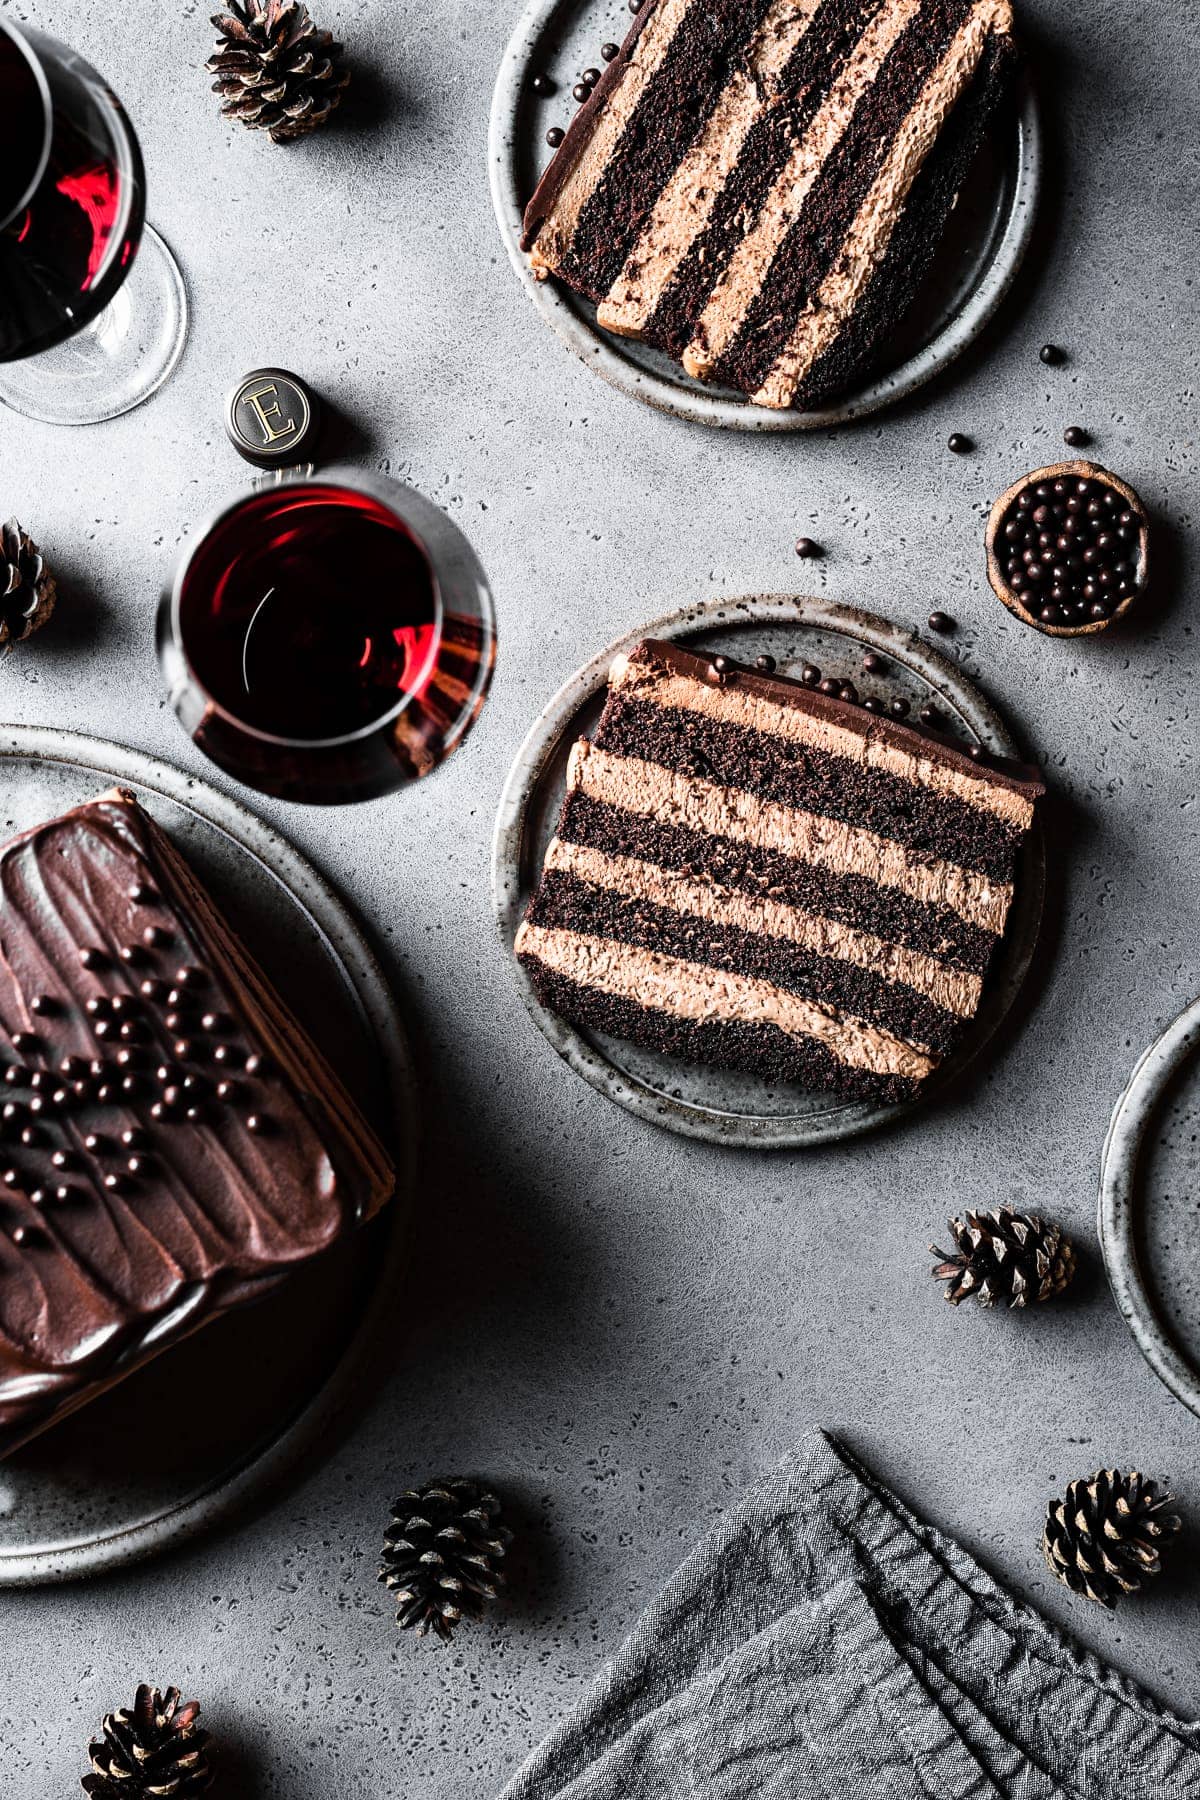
873, 703
766, 664
152, 988
959, 443
134, 1138
26, 1043
177, 1020
12, 1178
172, 1095
581, 90
1051, 355
610, 52
44, 1005
132, 1031
194, 1113
104, 1093
190, 976
258, 1064
940, 621
214, 1022
258, 1123
60, 1098
542, 84
13, 1109
115, 1182
130, 1056
635, 6
829, 686
183, 1050
63, 1159
849, 692
142, 894
157, 937
976, 752
63, 1193
873, 663
929, 715
159, 1112
97, 1006
40, 1105
97, 1143
228, 1055
92, 958
31, 1137
555, 136
720, 665
40, 1078
807, 547
15, 1075
810, 675
1075, 437
137, 1165
132, 953
73, 1067
229, 1091
125, 1003
131, 1086
103, 1028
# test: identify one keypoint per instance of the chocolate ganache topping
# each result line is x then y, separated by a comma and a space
171, 1142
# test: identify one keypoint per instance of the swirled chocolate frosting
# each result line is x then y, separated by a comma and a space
171, 1141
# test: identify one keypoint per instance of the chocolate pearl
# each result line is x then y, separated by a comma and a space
1048, 615
765, 663
229, 1091
720, 665
258, 1123
15, 1075
976, 752
97, 1006
103, 1028
873, 663
178, 1020
194, 1113
183, 1050
940, 621
807, 548
142, 894
581, 90
164, 1074
591, 76
873, 704
104, 1093
73, 1067
1051, 355
899, 707
929, 715
60, 1098
1099, 610
44, 1005
41, 1106
63, 1159
97, 1067
172, 1095
92, 958
26, 1043
134, 1138
12, 1178
1076, 437
159, 1111
190, 976
132, 953
131, 1085
542, 84
959, 443
849, 692
194, 1084
555, 136
40, 1078
635, 6
810, 675
63, 1193
214, 1022
157, 937
115, 1182
137, 1165
258, 1064
152, 988
610, 52
13, 1110
31, 1137
829, 686
98, 1143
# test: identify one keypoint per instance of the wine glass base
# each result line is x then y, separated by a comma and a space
117, 361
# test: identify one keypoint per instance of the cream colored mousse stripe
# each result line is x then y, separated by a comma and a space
736, 705
706, 899
867, 241
695, 991
685, 204
654, 792
746, 268
555, 234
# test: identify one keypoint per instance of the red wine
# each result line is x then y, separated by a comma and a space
310, 613
69, 233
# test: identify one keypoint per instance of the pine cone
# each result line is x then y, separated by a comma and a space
1103, 1538
1005, 1255
440, 1555
27, 588
275, 71
154, 1748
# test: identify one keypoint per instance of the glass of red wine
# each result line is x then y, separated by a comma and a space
93, 310
329, 637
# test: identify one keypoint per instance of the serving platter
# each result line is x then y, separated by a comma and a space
186, 1440
717, 1105
982, 250
1147, 1216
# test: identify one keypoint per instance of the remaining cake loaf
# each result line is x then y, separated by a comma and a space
758, 186
752, 874
171, 1143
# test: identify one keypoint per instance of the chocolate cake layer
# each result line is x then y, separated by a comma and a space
733, 189
171, 1142
681, 893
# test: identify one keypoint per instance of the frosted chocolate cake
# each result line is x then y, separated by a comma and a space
171, 1142
757, 187
752, 874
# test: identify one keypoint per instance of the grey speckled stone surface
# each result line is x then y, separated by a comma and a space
619, 1327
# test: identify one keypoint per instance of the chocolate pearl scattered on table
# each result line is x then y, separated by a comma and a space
959, 443
1076, 437
542, 84
807, 547
555, 136
940, 621
610, 52
1051, 355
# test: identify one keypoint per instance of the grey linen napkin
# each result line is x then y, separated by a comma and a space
822, 1643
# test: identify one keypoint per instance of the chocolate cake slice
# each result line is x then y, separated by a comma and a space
758, 187
749, 873
171, 1142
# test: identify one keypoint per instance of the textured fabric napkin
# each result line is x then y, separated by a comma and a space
822, 1643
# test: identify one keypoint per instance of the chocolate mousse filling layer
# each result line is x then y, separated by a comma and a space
805, 879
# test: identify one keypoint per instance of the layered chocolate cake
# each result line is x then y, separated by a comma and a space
758, 186
171, 1142
753, 874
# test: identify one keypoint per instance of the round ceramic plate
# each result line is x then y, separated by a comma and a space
182, 1442
976, 264
717, 1104
1149, 1226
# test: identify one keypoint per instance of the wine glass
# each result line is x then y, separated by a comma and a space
93, 310
328, 637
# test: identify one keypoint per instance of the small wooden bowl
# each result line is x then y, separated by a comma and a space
1088, 471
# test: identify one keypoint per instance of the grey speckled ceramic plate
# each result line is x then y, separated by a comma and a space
715, 1104
983, 248
178, 1446
1149, 1213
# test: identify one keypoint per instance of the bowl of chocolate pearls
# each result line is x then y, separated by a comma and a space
1067, 549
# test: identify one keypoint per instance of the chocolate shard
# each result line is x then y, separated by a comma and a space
184, 1195
751, 873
